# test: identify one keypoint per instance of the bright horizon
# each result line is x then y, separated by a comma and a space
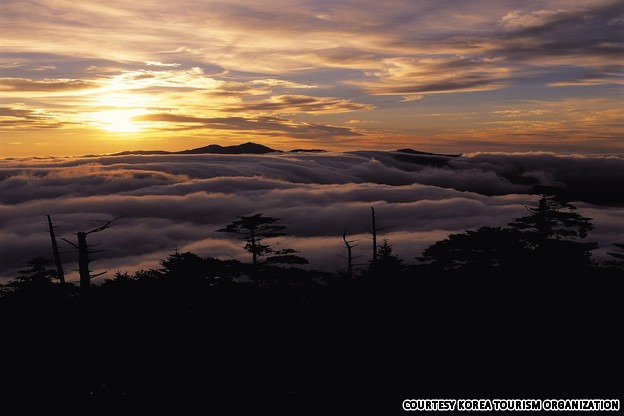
450, 77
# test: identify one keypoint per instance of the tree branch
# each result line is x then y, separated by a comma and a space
67, 241
105, 226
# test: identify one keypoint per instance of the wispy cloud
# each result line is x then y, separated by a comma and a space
259, 125
157, 63
43, 86
407, 76
21, 118
292, 104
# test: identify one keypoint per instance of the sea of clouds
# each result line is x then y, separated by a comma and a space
179, 201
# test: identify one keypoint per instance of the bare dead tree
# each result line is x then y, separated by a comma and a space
84, 252
60, 274
373, 230
349, 245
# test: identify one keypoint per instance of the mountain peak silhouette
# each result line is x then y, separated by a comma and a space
248, 147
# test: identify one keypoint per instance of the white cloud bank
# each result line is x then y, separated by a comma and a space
178, 201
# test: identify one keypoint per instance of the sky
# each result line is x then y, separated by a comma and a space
91, 76
179, 201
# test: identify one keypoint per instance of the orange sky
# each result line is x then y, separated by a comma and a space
105, 76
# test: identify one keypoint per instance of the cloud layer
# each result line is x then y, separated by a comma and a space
178, 201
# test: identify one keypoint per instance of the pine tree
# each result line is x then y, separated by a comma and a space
37, 272
553, 220
386, 263
36, 276
254, 230
552, 231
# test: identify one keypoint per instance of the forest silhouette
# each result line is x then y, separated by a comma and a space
516, 311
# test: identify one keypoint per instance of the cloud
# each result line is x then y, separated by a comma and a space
577, 32
271, 82
598, 77
46, 85
21, 118
257, 125
158, 63
9, 65
412, 97
291, 104
417, 76
178, 201
518, 20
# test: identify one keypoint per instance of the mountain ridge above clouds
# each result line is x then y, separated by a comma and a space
244, 148
591, 179
250, 148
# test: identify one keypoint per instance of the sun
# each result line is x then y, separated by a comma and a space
117, 121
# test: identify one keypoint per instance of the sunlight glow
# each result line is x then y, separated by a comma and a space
117, 121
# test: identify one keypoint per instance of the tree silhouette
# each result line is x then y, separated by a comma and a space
386, 262
60, 273
37, 273
36, 282
553, 219
552, 231
286, 256
254, 229
84, 252
486, 248
373, 232
182, 266
543, 240
349, 244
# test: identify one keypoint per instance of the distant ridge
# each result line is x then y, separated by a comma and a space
239, 149
416, 152
139, 152
248, 147
255, 149
307, 151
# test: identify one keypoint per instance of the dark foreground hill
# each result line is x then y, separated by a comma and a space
192, 338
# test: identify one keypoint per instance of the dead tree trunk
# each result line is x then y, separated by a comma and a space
83, 255
349, 245
57, 257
